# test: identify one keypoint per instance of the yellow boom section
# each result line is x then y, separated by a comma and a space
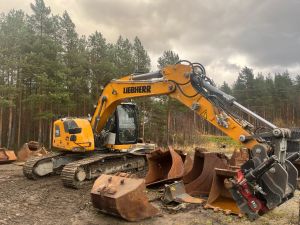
175, 82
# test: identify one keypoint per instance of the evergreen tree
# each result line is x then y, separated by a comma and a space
168, 58
123, 56
225, 87
141, 59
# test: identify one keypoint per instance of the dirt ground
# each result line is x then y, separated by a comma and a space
47, 201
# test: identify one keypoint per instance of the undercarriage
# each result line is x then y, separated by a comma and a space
76, 169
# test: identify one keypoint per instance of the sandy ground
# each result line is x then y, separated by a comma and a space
47, 201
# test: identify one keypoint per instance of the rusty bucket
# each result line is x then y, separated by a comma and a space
30, 149
219, 197
7, 156
164, 165
239, 157
122, 195
199, 179
176, 193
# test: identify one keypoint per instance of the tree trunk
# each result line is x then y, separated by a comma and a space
1, 119
168, 121
50, 135
14, 128
19, 122
9, 127
40, 125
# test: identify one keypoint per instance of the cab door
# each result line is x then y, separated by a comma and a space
57, 135
127, 125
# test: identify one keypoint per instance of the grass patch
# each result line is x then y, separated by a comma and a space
220, 140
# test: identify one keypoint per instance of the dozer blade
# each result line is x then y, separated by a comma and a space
219, 197
198, 181
164, 165
176, 193
30, 149
122, 195
239, 157
7, 156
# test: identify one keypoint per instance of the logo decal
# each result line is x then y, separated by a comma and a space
138, 89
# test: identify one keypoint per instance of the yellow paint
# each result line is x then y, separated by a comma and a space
113, 95
84, 140
119, 147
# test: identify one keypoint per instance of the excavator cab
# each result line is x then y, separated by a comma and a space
76, 134
122, 128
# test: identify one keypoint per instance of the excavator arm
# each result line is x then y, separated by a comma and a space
178, 82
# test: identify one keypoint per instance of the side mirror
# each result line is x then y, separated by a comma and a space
75, 130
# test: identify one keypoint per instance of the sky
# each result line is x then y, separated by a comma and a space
224, 36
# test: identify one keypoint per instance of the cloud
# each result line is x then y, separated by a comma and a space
223, 35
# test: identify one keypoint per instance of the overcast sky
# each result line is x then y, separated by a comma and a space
222, 35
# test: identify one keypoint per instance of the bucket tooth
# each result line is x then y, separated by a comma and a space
199, 179
7, 156
220, 197
122, 195
176, 193
164, 165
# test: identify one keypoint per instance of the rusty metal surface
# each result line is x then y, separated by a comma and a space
198, 181
164, 165
176, 193
239, 157
7, 156
30, 149
122, 195
219, 197
34, 145
188, 164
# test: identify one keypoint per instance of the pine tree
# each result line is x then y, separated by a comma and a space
123, 56
141, 59
168, 58
225, 87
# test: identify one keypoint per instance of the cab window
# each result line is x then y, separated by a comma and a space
127, 125
69, 124
57, 131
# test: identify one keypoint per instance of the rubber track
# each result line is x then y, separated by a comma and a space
69, 171
32, 162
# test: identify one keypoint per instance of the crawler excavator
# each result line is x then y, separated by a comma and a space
108, 142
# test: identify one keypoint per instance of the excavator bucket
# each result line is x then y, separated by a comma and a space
164, 166
122, 195
219, 197
187, 161
7, 156
239, 157
176, 193
199, 179
30, 149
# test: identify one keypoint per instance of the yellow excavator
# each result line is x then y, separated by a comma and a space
108, 142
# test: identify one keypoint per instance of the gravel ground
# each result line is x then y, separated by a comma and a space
47, 201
